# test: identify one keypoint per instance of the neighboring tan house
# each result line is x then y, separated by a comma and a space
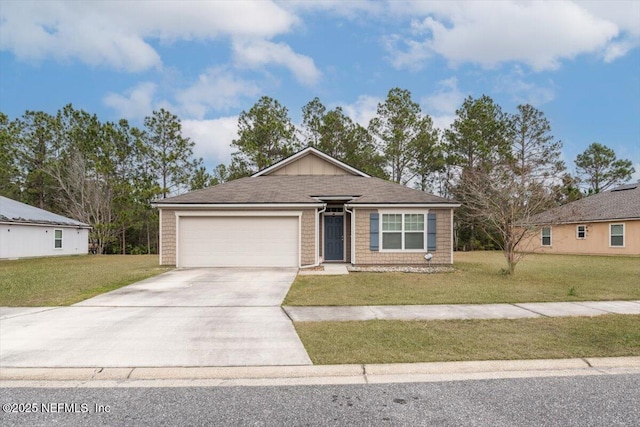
606, 223
26, 231
302, 211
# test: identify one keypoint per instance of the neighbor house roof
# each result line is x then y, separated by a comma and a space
13, 211
282, 189
619, 203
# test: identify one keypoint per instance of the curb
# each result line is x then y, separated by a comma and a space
314, 374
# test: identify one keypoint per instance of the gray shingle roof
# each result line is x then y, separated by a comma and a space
17, 212
619, 203
302, 189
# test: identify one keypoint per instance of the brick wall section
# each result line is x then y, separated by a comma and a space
168, 226
364, 256
308, 237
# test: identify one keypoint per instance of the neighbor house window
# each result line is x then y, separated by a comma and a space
57, 239
581, 232
546, 236
616, 233
403, 231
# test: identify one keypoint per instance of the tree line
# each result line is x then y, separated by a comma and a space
503, 167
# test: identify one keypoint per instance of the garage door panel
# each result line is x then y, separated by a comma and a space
238, 241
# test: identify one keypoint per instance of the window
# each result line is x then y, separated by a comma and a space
57, 239
616, 233
403, 231
581, 232
546, 236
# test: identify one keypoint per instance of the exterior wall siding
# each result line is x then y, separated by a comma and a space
364, 256
308, 237
168, 232
24, 241
564, 240
310, 165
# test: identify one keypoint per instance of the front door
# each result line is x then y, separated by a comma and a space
334, 238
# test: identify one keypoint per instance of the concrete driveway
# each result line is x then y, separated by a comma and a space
190, 317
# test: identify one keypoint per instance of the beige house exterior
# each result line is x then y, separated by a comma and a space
606, 223
304, 211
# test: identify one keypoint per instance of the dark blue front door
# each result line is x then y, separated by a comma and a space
333, 238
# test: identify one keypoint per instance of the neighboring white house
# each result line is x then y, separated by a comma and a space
26, 231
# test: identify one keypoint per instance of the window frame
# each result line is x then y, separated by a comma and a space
542, 236
56, 239
617, 235
403, 231
584, 237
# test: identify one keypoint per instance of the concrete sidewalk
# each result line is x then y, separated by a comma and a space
314, 375
461, 311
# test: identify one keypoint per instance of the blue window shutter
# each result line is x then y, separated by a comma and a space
374, 231
431, 232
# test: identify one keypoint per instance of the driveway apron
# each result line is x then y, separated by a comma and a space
187, 317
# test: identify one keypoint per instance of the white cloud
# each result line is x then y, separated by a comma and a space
363, 110
213, 138
446, 99
135, 104
540, 34
216, 89
525, 92
256, 53
116, 34
443, 103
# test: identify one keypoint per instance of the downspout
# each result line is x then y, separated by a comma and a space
353, 234
318, 212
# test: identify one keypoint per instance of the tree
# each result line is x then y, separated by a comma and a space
477, 140
201, 179
397, 126
502, 198
598, 167
428, 154
265, 136
170, 153
335, 134
9, 172
35, 149
312, 122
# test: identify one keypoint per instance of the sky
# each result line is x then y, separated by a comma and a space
207, 61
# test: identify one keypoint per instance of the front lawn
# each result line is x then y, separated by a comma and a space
69, 279
477, 280
387, 341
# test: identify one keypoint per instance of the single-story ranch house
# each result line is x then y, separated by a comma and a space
27, 231
606, 223
302, 211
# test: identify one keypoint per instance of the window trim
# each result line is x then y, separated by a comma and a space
578, 232
402, 231
55, 239
542, 236
624, 241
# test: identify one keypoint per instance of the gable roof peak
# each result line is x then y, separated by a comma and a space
310, 151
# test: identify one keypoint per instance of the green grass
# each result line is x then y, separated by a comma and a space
477, 279
66, 280
385, 341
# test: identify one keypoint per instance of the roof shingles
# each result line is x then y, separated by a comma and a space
620, 203
282, 189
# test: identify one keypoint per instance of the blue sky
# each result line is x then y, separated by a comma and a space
577, 61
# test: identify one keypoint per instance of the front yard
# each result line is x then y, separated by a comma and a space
387, 341
66, 280
477, 280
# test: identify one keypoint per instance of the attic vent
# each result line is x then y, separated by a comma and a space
625, 187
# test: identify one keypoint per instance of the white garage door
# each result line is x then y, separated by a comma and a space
238, 242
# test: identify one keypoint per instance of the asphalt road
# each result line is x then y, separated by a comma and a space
607, 400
